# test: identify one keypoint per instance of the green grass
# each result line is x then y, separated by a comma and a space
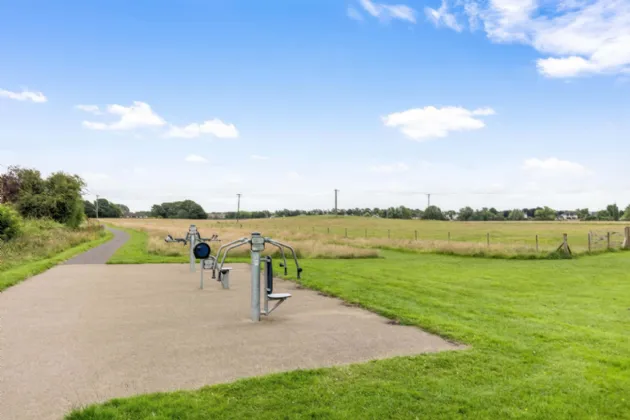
24, 270
549, 340
134, 251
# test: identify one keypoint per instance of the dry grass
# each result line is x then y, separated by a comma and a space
41, 239
356, 237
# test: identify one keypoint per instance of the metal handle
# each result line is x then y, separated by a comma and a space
284, 259
299, 269
228, 248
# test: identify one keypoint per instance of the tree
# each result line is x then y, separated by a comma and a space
516, 214
626, 213
89, 208
433, 213
465, 214
582, 214
107, 209
10, 223
603, 215
450, 214
546, 213
124, 209
613, 211
186, 209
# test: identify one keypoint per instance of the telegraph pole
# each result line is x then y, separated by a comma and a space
96, 206
238, 207
429, 200
336, 191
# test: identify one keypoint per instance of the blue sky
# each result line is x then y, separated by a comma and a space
504, 103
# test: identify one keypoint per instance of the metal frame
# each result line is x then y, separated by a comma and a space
193, 236
255, 269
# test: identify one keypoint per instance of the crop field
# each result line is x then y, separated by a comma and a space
360, 237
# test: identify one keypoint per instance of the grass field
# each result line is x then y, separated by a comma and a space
548, 340
325, 236
43, 244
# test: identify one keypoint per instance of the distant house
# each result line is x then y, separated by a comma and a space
216, 215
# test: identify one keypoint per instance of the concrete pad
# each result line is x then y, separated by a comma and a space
80, 334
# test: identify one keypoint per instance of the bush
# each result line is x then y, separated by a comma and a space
10, 223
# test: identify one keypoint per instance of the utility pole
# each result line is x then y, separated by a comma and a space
428, 199
96, 206
336, 191
238, 208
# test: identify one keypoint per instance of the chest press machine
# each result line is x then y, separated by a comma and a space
193, 237
257, 243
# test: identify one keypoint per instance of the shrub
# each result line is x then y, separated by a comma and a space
10, 223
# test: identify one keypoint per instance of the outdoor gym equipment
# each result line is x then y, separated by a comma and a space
257, 243
193, 237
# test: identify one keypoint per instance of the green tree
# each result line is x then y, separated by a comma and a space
433, 213
603, 215
10, 223
582, 214
465, 214
89, 209
613, 211
516, 214
124, 209
546, 213
626, 213
188, 209
107, 209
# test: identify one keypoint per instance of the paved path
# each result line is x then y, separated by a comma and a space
80, 334
102, 253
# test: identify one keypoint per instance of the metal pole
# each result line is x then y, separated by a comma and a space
428, 200
96, 206
238, 208
336, 191
193, 238
255, 303
201, 270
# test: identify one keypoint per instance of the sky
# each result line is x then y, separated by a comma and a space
486, 103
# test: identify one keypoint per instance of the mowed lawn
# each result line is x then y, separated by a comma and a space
548, 339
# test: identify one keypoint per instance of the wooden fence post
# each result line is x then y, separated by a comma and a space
449, 236
488, 238
565, 244
536, 242
589, 242
607, 240
626, 239
346, 232
416, 234
328, 229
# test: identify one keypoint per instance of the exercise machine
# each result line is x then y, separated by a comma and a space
193, 236
257, 243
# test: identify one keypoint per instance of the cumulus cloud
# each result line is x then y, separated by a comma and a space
25, 95
92, 109
577, 37
554, 165
442, 17
390, 169
138, 115
215, 127
388, 11
430, 122
196, 159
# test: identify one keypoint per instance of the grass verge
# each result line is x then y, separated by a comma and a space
135, 251
15, 275
548, 341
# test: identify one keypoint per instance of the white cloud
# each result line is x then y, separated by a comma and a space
214, 127
578, 37
430, 122
553, 165
258, 157
389, 11
294, 176
196, 159
138, 115
389, 169
354, 14
442, 17
92, 109
25, 95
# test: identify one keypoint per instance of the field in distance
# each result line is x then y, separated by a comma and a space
361, 237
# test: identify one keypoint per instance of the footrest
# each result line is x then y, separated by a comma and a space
279, 296
225, 270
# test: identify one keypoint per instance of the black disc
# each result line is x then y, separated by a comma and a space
201, 250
